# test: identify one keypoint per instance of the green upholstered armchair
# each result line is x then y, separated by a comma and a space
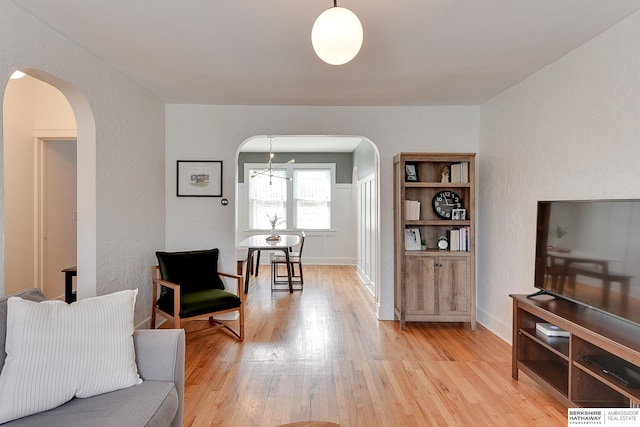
191, 287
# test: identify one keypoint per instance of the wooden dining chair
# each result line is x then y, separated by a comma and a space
295, 258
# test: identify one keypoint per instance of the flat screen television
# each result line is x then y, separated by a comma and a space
589, 252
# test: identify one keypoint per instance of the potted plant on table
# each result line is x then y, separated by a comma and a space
274, 221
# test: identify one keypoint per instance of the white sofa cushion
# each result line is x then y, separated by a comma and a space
56, 351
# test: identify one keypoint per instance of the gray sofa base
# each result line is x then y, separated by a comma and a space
152, 404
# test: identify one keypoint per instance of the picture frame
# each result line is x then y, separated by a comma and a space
199, 178
410, 172
412, 241
459, 214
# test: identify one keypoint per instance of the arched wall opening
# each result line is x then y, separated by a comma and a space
86, 178
357, 183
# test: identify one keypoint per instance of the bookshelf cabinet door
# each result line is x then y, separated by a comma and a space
420, 282
453, 288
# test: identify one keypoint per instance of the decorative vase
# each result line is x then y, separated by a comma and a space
274, 235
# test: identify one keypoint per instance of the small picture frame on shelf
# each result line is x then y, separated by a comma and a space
459, 214
410, 172
412, 241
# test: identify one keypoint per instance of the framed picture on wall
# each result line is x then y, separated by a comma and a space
199, 178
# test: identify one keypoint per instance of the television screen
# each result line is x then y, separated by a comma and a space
589, 252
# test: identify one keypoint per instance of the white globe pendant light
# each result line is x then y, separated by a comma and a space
337, 35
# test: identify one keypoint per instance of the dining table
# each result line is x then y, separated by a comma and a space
264, 242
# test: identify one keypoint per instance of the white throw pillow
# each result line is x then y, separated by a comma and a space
56, 351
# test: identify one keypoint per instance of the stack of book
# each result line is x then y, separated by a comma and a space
411, 210
459, 172
458, 239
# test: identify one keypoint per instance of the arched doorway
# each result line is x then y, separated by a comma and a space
354, 237
86, 190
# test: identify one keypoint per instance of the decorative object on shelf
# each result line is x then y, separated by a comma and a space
444, 202
410, 172
423, 244
268, 170
443, 243
274, 221
412, 210
337, 35
412, 239
459, 214
444, 174
199, 178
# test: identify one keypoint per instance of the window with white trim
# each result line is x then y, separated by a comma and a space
268, 198
312, 198
300, 194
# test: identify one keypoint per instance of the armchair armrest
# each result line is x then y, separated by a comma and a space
160, 356
240, 284
155, 273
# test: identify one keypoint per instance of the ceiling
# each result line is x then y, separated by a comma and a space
258, 52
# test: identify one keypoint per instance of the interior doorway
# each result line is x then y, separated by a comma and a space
20, 125
39, 153
353, 238
57, 213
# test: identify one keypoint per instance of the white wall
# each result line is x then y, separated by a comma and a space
215, 132
121, 164
570, 131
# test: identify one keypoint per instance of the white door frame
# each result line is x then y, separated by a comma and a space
40, 138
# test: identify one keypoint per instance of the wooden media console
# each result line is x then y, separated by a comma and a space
558, 363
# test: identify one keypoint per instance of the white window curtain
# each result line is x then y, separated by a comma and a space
312, 197
268, 197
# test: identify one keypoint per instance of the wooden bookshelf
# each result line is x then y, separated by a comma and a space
433, 285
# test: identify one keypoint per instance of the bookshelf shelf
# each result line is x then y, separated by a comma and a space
437, 185
434, 285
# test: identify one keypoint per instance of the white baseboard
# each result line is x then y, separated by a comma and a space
497, 327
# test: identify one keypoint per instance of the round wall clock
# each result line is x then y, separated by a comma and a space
444, 202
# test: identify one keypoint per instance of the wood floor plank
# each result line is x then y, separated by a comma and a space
321, 355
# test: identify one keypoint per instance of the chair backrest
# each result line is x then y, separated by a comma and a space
302, 236
192, 270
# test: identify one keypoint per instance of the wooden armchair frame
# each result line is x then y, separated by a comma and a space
157, 281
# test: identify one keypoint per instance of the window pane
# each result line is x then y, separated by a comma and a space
267, 197
312, 194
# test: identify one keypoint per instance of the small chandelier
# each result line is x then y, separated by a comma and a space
268, 170
337, 35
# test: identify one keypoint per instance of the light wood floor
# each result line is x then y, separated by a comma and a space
321, 354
